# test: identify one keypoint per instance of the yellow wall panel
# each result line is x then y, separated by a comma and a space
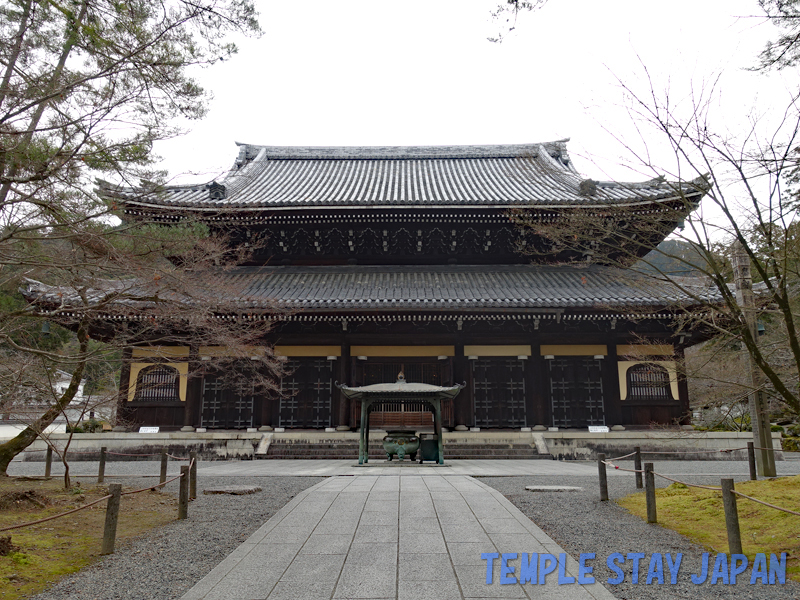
160, 352
497, 350
218, 351
308, 350
645, 350
402, 351
574, 350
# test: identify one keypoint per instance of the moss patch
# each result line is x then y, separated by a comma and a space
50, 550
698, 514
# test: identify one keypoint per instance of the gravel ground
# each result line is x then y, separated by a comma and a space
168, 561
579, 522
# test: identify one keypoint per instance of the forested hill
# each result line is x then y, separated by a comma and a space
672, 257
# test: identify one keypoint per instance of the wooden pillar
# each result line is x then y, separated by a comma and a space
541, 376
613, 402
461, 403
534, 397
194, 388
437, 427
363, 439
123, 412
683, 388
343, 369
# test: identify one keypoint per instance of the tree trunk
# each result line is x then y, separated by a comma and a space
27, 436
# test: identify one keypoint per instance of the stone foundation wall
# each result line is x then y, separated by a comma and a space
562, 445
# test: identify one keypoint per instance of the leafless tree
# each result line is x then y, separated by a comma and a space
749, 204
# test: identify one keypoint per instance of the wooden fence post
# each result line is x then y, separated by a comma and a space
650, 492
601, 468
112, 514
637, 465
164, 461
101, 471
731, 517
48, 461
193, 475
183, 496
751, 459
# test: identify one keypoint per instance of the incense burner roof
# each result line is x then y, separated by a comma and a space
281, 178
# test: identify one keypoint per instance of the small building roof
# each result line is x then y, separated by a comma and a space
401, 388
288, 177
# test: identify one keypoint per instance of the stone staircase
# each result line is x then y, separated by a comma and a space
348, 449
497, 451
324, 449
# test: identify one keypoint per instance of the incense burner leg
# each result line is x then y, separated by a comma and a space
361, 446
437, 424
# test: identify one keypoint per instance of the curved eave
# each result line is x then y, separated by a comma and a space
375, 207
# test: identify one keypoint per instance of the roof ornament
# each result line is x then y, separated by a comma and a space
247, 153
216, 191
588, 187
401, 378
241, 159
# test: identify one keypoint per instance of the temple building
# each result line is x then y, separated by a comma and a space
408, 259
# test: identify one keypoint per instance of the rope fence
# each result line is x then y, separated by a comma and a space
716, 451
694, 485
726, 488
187, 492
64, 514
786, 510
104, 452
124, 454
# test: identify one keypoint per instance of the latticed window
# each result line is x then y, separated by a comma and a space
648, 383
158, 383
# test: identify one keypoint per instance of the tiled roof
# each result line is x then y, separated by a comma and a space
458, 288
272, 177
357, 288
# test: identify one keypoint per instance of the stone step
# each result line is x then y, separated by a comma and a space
347, 449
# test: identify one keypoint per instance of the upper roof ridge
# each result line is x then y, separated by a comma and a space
344, 177
249, 151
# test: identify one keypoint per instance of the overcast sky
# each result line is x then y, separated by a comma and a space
421, 72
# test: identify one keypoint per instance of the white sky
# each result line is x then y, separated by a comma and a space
421, 72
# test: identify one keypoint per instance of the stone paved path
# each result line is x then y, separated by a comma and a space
404, 538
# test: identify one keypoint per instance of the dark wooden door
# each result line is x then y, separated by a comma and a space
307, 394
576, 391
498, 392
226, 404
